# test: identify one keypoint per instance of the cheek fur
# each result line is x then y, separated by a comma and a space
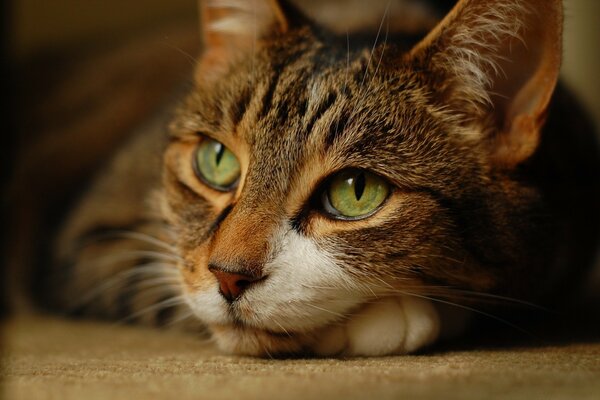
305, 288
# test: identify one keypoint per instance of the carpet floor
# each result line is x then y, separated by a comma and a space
52, 358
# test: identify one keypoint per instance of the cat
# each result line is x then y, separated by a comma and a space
331, 193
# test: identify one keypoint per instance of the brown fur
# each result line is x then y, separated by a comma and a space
478, 204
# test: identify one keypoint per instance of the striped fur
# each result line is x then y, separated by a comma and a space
478, 211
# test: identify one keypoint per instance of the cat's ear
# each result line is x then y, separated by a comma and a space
232, 29
497, 61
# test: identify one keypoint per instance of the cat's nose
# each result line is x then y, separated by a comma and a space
231, 284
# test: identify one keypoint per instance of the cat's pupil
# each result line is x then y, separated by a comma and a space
359, 185
220, 150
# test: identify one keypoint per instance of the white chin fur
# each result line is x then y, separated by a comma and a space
309, 304
305, 290
390, 326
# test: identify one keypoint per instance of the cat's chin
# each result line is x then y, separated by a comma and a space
389, 326
245, 340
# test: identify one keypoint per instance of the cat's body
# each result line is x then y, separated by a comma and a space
481, 204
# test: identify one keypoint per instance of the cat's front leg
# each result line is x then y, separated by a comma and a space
395, 325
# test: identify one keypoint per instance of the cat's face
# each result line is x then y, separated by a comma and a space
307, 180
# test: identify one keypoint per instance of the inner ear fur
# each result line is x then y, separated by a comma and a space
497, 61
232, 29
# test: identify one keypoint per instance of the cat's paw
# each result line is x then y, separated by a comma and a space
397, 325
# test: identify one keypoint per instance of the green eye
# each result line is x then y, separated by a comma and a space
355, 194
216, 165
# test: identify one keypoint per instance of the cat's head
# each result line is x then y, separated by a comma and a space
310, 173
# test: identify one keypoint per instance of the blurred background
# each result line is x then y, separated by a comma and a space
38, 27
79, 75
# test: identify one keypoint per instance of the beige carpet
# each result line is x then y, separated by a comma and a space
50, 358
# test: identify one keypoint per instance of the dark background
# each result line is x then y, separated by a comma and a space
40, 26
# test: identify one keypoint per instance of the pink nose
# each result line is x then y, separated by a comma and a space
232, 285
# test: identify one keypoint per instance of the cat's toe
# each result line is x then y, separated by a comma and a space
396, 325
422, 323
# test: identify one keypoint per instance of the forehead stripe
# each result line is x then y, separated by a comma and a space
240, 106
278, 70
337, 127
320, 110
267, 99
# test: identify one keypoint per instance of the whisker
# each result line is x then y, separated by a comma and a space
384, 282
132, 255
496, 318
345, 86
173, 301
385, 39
149, 294
185, 316
340, 316
347, 52
254, 43
469, 294
170, 278
149, 269
376, 41
267, 351
282, 328
192, 60
504, 298
146, 238
142, 291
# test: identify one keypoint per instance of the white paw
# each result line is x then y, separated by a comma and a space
396, 325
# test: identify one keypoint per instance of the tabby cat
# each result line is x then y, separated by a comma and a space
339, 192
